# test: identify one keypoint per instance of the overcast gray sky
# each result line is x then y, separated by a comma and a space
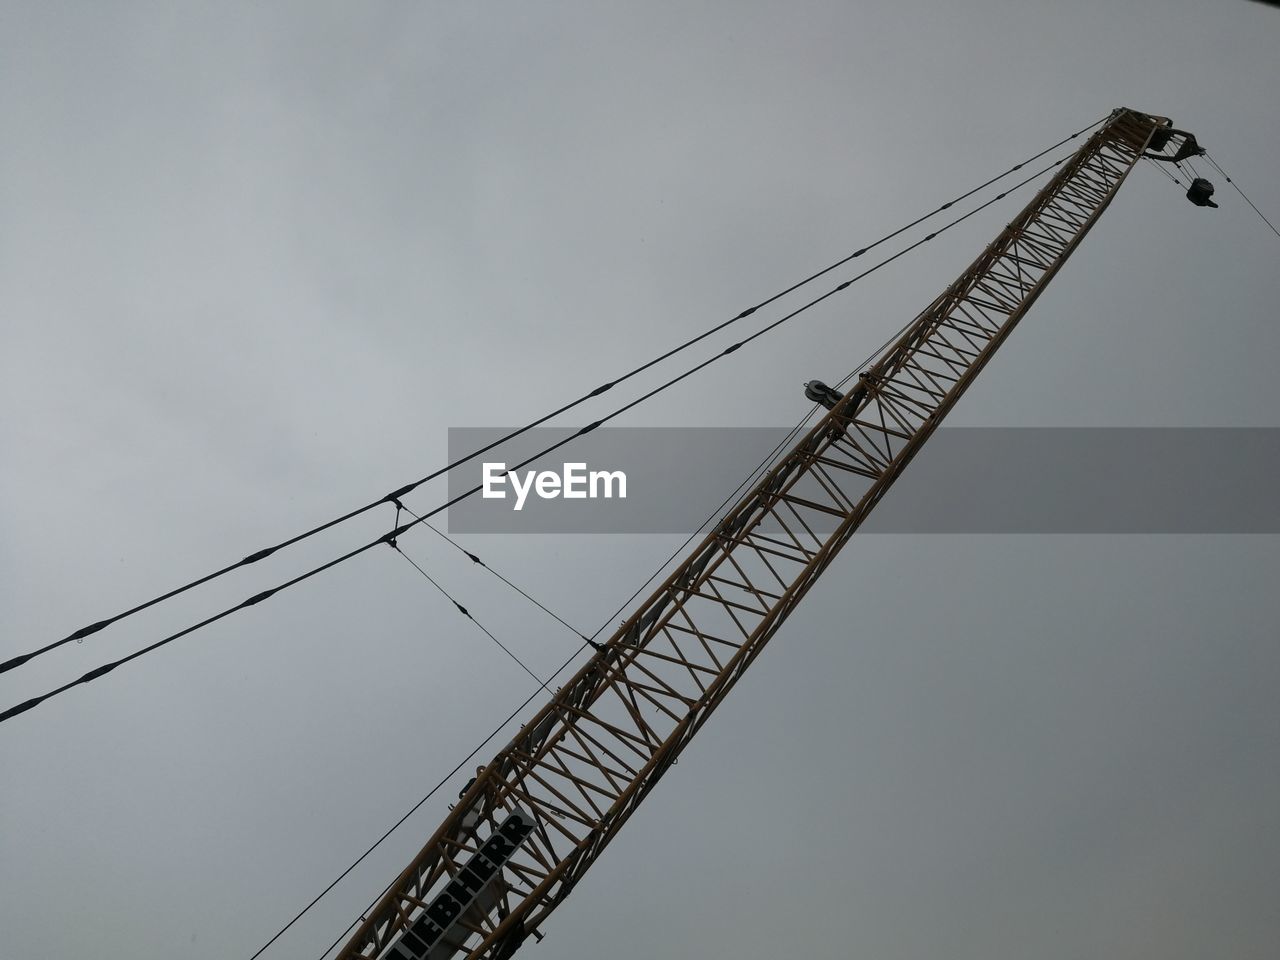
255, 260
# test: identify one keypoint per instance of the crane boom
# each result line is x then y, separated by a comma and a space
534, 820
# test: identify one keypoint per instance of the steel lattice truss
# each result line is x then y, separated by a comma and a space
584, 763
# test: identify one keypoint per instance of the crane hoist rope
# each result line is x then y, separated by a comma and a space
532, 822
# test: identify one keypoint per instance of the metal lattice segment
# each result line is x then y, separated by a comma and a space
582, 765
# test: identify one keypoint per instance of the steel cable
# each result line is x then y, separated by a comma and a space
395, 495
403, 528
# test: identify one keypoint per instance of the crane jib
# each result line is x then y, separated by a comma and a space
582, 765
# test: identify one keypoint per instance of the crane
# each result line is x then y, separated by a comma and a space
531, 823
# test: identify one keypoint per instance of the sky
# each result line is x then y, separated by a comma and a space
256, 260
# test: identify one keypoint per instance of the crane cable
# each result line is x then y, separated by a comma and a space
765, 464
1161, 168
398, 531
476, 560
1242, 194
470, 616
1195, 173
394, 544
265, 552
